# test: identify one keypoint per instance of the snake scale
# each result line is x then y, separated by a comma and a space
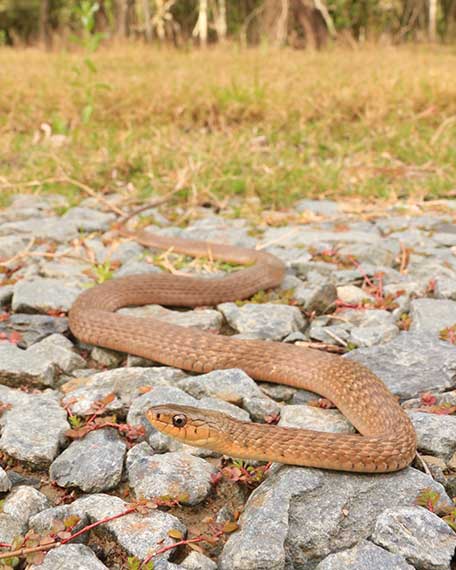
386, 441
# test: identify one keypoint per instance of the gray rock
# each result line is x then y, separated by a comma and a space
5, 483
276, 531
382, 253
106, 357
322, 299
411, 363
335, 334
365, 317
435, 434
33, 328
297, 236
266, 321
320, 207
432, 315
136, 268
418, 535
224, 407
34, 428
137, 534
363, 556
204, 319
44, 521
89, 220
42, 295
125, 383
19, 366
127, 251
308, 417
70, 557
197, 561
352, 295
59, 351
9, 528
93, 463
24, 502
11, 246
6, 294
445, 288
372, 335
47, 228
234, 386
177, 475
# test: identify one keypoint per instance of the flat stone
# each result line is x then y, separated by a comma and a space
11, 246
418, 535
204, 319
70, 271
436, 434
9, 528
58, 350
47, 228
34, 427
383, 252
18, 366
266, 321
138, 535
365, 317
136, 268
33, 328
352, 294
178, 475
89, 220
43, 295
363, 556
125, 383
432, 315
106, 357
372, 335
320, 207
5, 483
70, 557
318, 419
234, 386
334, 334
445, 288
24, 502
44, 521
344, 509
297, 236
197, 561
411, 363
93, 463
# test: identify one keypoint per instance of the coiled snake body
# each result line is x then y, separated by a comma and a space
388, 439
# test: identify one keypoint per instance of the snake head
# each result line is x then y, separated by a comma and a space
190, 425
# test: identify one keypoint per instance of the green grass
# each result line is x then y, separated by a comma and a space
378, 123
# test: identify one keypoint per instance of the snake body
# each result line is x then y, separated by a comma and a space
388, 441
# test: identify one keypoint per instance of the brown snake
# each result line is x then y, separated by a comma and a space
388, 440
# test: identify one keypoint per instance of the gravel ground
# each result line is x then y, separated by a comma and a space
377, 287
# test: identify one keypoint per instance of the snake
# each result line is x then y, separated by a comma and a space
385, 440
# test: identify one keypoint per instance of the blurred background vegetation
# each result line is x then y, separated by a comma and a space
298, 23
291, 98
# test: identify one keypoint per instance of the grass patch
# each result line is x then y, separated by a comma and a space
377, 123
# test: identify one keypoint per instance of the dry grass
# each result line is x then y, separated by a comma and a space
377, 123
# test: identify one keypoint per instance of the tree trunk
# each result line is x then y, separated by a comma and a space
122, 18
432, 30
220, 20
45, 28
200, 29
148, 32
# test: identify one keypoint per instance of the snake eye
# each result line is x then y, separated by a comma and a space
179, 420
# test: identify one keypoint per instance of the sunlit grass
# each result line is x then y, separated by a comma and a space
278, 125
